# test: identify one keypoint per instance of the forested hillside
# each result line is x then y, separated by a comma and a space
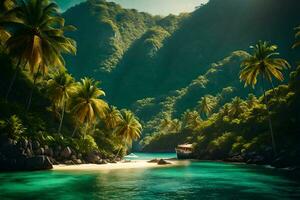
148, 56
163, 66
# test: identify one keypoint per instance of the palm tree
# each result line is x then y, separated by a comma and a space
165, 124
252, 101
237, 107
59, 89
128, 129
263, 62
112, 117
85, 103
37, 38
297, 36
205, 106
191, 119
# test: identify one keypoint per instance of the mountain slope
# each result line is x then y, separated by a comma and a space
137, 55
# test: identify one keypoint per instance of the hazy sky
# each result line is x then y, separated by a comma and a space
155, 7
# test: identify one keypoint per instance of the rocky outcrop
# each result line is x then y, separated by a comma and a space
163, 162
93, 157
38, 163
20, 156
66, 153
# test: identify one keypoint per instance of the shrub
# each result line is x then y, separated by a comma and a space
12, 128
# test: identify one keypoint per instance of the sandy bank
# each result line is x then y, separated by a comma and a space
120, 165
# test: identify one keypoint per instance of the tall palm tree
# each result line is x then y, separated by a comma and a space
129, 128
37, 37
297, 36
60, 86
112, 117
86, 104
263, 62
205, 106
237, 107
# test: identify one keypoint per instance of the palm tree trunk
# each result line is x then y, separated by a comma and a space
118, 153
62, 117
32, 88
274, 91
74, 131
13, 79
269, 119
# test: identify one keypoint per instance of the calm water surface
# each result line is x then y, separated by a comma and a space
197, 180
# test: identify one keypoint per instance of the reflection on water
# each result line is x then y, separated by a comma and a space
199, 180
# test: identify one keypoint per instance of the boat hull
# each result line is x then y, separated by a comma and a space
184, 155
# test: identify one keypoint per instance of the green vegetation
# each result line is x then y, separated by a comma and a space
183, 77
59, 111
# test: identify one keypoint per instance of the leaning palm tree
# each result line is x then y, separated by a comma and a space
37, 38
205, 106
112, 117
129, 128
60, 86
86, 105
297, 36
263, 62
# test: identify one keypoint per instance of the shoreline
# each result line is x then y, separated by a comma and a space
134, 164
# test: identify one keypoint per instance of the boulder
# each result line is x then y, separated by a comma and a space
236, 158
38, 163
35, 145
40, 151
92, 157
73, 157
69, 162
163, 162
77, 161
66, 152
48, 151
23, 143
153, 161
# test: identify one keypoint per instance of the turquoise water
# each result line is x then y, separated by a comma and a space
198, 180
148, 156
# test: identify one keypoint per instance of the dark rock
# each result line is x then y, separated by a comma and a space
153, 161
23, 143
48, 151
35, 145
40, 151
79, 156
66, 153
77, 161
163, 162
57, 151
69, 162
73, 157
92, 157
38, 163
28, 152
236, 158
